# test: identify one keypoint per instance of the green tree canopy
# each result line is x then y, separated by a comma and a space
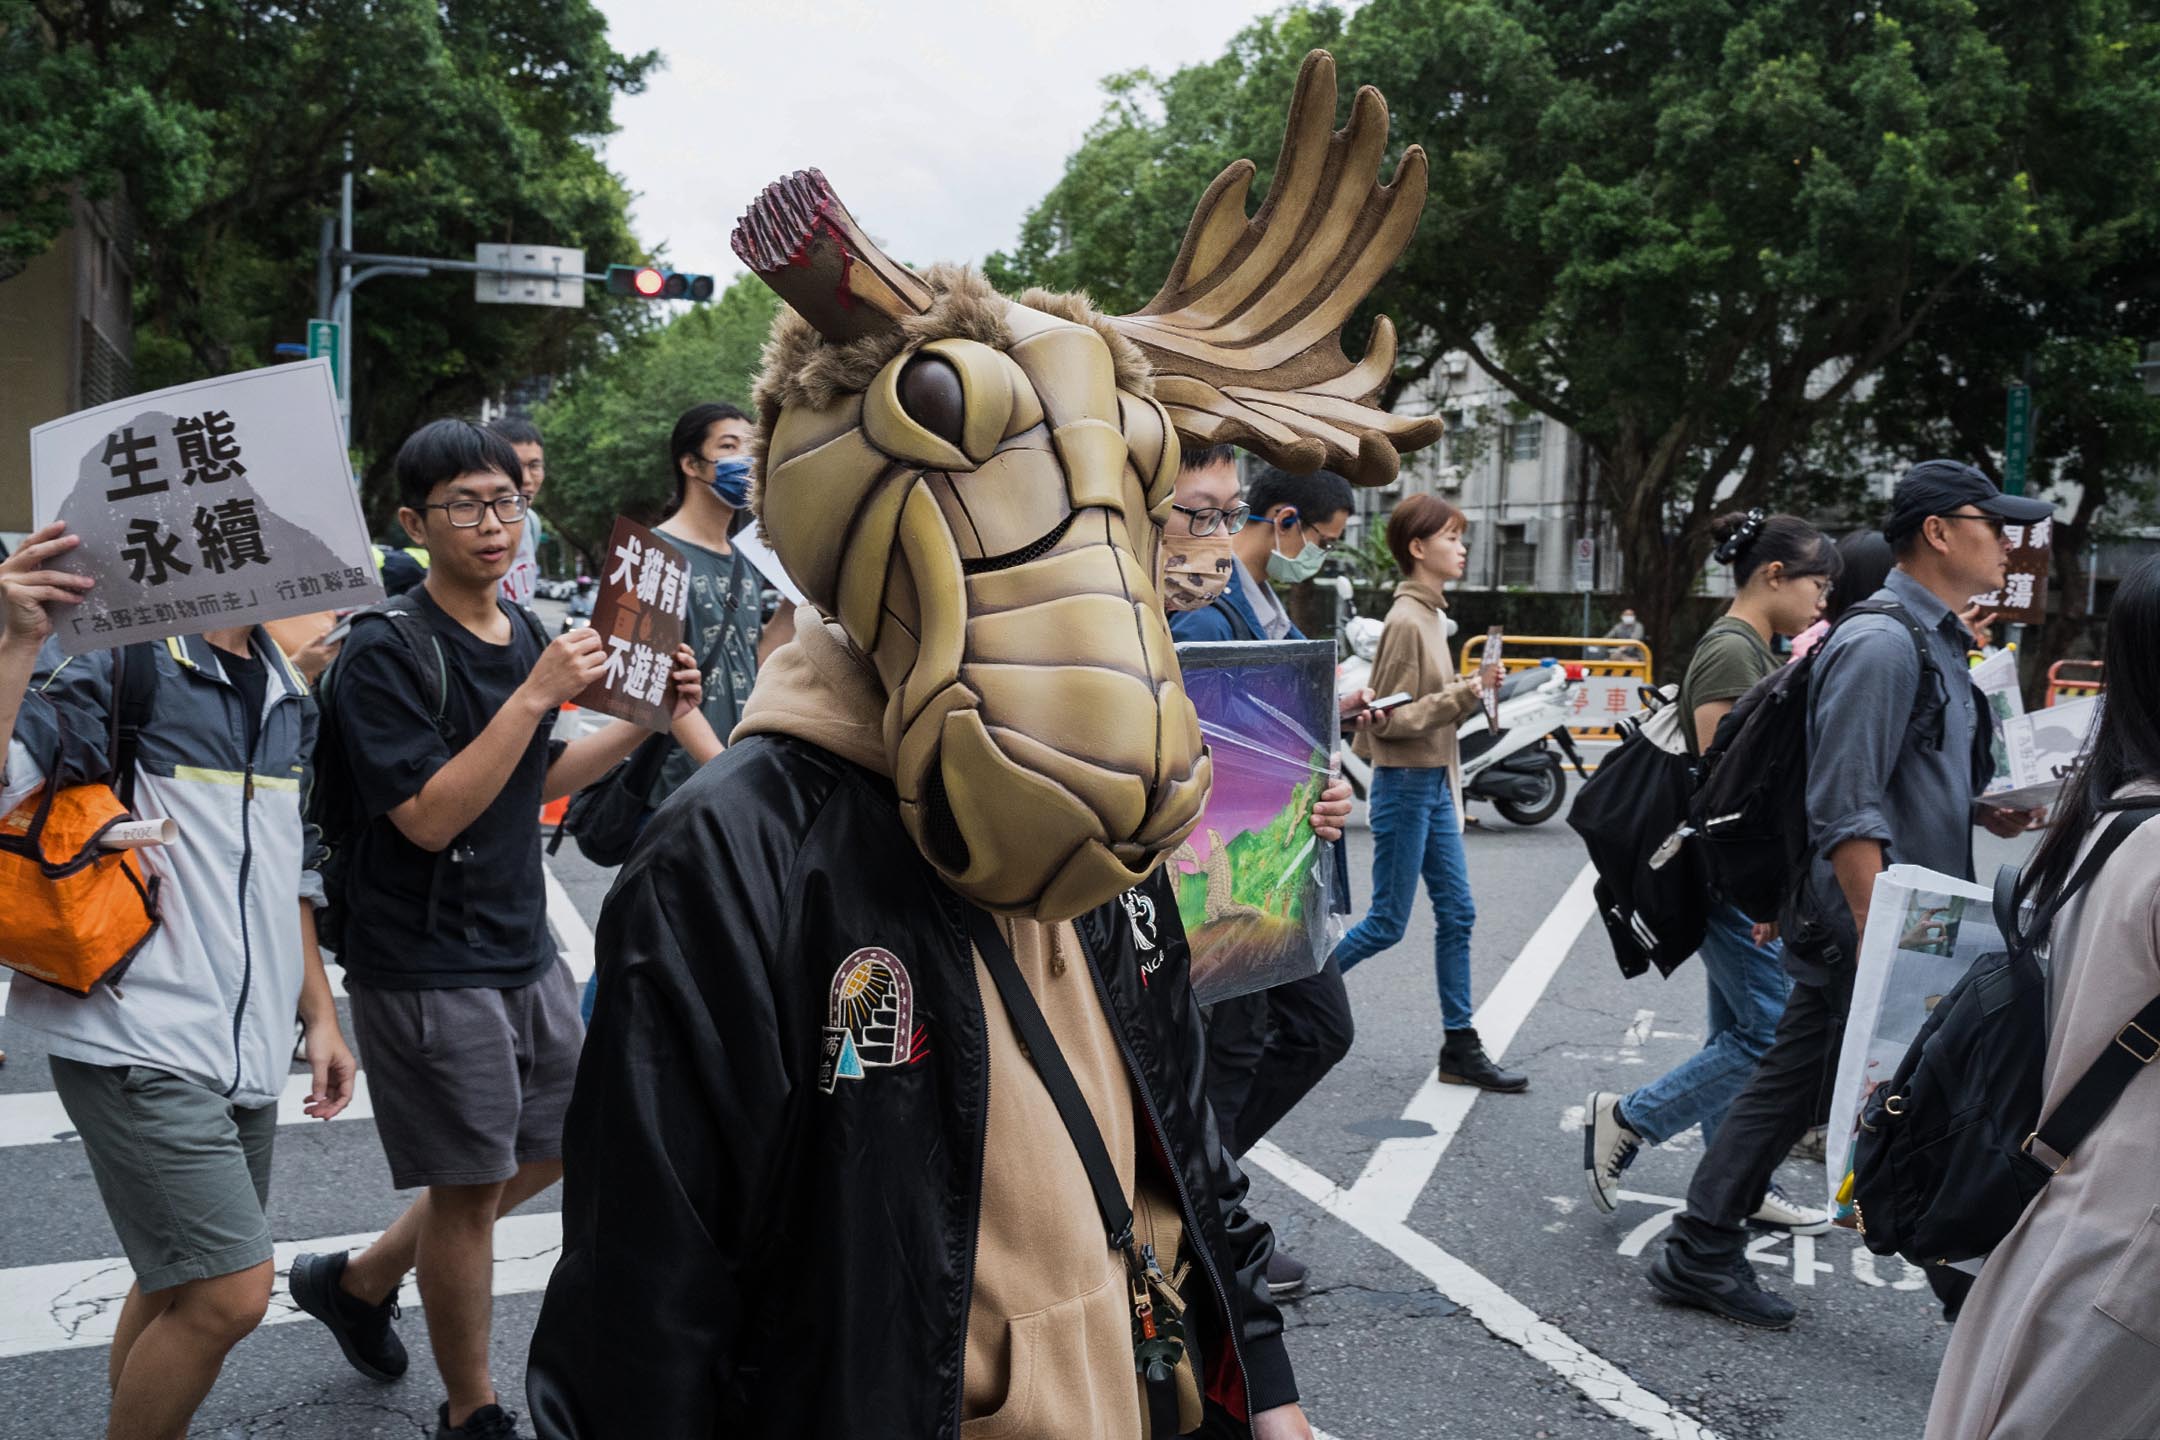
222, 124
607, 428
1690, 230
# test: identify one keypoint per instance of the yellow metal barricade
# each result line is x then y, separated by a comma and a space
1615, 671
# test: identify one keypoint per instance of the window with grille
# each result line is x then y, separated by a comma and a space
1518, 556
1526, 441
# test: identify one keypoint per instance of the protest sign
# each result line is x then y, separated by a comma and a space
1489, 676
220, 503
751, 543
1925, 930
1996, 678
2040, 750
639, 615
2023, 597
1252, 879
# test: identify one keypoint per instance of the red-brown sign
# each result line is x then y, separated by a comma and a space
2023, 597
639, 615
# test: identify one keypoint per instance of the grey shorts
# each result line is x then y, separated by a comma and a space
469, 1084
184, 1172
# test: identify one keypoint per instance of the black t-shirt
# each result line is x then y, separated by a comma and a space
475, 914
248, 676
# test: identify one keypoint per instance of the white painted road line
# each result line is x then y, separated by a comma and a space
1379, 1203
1597, 1379
572, 935
76, 1305
1399, 1169
35, 1117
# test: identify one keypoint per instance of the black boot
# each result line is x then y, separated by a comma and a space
1463, 1061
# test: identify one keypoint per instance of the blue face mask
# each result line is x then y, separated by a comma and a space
731, 481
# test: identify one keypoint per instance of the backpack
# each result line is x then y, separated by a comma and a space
332, 806
1749, 814
1952, 1148
1632, 815
78, 913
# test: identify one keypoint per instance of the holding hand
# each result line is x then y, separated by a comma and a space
687, 682
1332, 809
28, 590
569, 664
2008, 824
1356, 709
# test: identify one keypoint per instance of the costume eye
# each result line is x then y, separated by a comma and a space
931, 394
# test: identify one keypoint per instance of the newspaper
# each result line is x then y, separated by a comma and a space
1925, 930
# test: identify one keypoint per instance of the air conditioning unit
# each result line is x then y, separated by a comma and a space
1456, 363
1448, 477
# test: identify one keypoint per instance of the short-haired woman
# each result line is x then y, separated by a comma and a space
1417, 782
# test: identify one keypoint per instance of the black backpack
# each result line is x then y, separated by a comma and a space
1749, 814
1632, 816
332, 806
1951, 1147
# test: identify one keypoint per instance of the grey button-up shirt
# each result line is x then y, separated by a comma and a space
1875, 771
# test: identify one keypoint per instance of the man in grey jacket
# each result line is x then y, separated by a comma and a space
1896, 758
173, 1084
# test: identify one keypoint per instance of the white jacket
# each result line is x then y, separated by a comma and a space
214, 994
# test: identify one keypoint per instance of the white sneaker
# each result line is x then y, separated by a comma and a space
1781, 1212
1608, 1147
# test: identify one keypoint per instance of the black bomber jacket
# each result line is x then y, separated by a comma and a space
752, 1250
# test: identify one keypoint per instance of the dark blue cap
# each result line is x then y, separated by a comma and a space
1938, 487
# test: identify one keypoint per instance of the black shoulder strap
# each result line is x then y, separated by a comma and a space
1928, 667
1057, 1077
424, 647
2135, 1046
134, 691
1240, 627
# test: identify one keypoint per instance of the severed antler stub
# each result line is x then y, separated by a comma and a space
802, 242
1244, 337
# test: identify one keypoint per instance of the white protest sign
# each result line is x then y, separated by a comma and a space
220, 503
754, 549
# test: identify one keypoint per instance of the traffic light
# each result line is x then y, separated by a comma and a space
650, 282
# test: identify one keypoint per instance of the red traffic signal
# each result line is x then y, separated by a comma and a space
650, 282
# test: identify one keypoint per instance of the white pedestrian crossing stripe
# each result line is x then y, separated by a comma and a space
76, 1304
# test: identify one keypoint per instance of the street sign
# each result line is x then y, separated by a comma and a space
530, 275
1586, 564
322, 339
2017, 438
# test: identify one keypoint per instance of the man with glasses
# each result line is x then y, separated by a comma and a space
1266, 1051
441, 720
1899, 747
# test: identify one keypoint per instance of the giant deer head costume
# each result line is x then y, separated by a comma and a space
974, 488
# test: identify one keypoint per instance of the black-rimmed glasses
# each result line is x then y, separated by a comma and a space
465, 514
1993, 522
1207, 518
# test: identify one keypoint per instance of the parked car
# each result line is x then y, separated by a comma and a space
580, 611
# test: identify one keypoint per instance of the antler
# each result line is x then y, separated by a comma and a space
802, 242
1246, 335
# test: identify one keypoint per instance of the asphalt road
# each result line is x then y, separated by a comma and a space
1464, 1286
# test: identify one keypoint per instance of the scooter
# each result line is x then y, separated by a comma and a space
1516, 768
1516, 771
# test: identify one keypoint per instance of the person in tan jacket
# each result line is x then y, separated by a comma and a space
2060, 1334
1417, 783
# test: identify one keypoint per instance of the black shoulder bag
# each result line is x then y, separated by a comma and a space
1158, 1333
1952, 1148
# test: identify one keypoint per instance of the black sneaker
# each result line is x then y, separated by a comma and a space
489, 1422
363, 1331
1285, 1275
1723, 1287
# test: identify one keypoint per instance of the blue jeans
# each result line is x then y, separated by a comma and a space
1414, 833
1748, 989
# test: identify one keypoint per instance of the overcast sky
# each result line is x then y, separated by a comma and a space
939, 123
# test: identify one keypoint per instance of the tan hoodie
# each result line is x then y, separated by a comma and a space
1413, 658
1049, 1341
